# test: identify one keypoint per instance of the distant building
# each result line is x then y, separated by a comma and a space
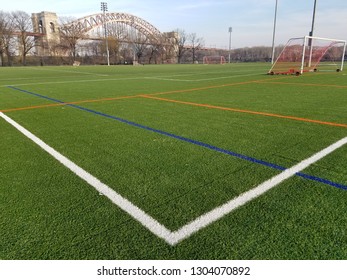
46, 23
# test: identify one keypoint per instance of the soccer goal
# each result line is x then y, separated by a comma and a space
310, 54
214, 59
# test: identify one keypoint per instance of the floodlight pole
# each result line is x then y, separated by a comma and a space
104, 10
230, 30
274, 34
313, 17
311, 32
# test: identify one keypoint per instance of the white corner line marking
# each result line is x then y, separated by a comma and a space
138, 214
219, 212
199, 223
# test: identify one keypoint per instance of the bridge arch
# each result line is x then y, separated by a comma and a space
90, 22
133, 33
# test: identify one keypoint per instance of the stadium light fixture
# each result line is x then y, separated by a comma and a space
230, 31
104, 9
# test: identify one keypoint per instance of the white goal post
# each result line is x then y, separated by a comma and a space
310, 54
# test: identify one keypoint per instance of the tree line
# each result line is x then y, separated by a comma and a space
19, 46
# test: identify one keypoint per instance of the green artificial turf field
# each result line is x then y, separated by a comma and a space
169, 144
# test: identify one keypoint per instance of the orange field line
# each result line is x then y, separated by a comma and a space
214, 86
152, 96
125, 97
202, 88
247, 111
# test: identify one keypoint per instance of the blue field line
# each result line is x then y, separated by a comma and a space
192, 141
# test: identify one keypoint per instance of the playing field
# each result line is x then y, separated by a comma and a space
172, 162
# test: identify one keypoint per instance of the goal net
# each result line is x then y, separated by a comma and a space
214, 59
310, 54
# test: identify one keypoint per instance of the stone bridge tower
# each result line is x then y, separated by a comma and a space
46, 26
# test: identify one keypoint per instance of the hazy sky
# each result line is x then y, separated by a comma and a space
251, 20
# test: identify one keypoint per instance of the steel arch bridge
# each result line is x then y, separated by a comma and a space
91, 22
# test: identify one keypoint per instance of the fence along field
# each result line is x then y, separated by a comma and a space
174, 155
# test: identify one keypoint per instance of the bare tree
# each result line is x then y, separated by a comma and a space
195, 44
253, 54
115, 36
70, 34
23, 26
141, 43
181, 44
155, 52
6, 37
125, 54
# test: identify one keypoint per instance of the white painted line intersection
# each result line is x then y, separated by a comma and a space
199, 223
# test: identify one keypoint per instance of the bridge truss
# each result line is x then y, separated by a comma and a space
126, 32
125, 26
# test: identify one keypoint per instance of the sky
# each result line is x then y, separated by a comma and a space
252, 21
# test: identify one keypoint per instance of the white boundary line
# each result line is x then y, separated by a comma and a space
117, 199
248, 196
201, 222
163, 78
71, 82
55, 69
